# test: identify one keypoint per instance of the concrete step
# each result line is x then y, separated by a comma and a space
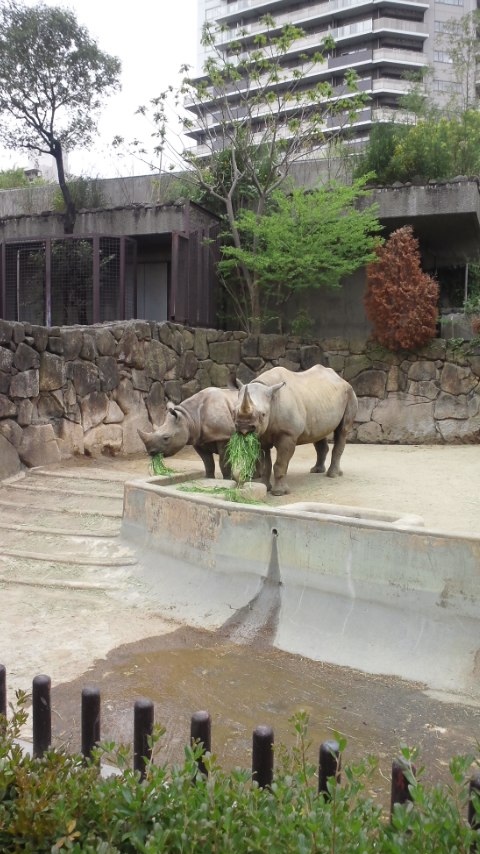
60, 516
26, 496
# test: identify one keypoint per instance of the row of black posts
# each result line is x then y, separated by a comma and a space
200, 732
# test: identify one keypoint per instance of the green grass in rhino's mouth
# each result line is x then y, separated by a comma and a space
158, 467
243, 452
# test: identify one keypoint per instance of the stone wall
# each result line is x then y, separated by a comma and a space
87, 390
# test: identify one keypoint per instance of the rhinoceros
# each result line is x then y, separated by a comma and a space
204, 420
287, 409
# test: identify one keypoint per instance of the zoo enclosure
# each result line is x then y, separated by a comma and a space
68, 280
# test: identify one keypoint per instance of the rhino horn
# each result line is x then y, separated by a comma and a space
246, 406
144, 436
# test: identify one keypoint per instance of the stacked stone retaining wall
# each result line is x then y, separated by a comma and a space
87, 390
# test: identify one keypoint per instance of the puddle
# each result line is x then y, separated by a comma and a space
189, 670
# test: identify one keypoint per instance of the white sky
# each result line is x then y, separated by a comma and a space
152, 39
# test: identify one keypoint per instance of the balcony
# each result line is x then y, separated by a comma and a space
338, 8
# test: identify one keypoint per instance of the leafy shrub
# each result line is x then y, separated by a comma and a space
59, 803
86, 193
401, 300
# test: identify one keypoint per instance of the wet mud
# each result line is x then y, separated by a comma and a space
245, 685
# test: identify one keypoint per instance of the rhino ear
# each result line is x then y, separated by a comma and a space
238, 383
274, 388
170, 405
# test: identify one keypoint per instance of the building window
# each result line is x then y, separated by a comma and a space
442, 26
446, 86
450, 2
442, 56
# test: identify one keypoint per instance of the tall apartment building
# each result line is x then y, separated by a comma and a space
382, 40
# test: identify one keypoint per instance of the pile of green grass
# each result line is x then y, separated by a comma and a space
229, 493
242, 455
158, 467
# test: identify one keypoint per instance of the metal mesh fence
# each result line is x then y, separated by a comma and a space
70, 280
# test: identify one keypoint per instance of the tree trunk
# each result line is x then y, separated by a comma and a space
70, 214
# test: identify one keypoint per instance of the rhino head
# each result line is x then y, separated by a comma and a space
170, 437
252, 414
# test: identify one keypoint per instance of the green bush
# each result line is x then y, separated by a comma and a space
59, 803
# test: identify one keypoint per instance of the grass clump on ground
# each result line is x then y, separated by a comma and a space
59, 803
229, 493
242, 454
158, 467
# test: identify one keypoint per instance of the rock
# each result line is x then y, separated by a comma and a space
225, 352
6, 359
69, 438
25, 357
39, 446
404, 420
72, 343
108, 372
25, 384
269, 347
422, 370
85, 377
128, 399
155, 361
370, 383
53, 373
200, 346
155, 403
104, 439
10, 463
94, 408
105, 342
457, 380
114, 413
12, 431
311, 355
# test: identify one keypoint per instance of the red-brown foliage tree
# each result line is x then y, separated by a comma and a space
401, 300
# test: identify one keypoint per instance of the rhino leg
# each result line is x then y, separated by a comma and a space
339, 442
225, 466
266, 468
207, 459
321, 448
285, 450
340, 436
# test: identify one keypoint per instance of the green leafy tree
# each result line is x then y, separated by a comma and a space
254, 117
53, 78
401, 300
15, 179
306, 240
459, 39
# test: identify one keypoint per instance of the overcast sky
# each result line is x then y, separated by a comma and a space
152, 38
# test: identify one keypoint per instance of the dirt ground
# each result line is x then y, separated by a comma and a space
130, 653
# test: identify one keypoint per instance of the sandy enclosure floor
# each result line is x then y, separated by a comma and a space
441, 483
87, 636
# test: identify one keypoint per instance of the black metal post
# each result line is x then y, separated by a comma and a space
142, 729
329, 762
201, 732
262, 756
3, 696
400, 785
42, 714
474, 790
90, 720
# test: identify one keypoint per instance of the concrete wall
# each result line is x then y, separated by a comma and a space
382, 597
86, 390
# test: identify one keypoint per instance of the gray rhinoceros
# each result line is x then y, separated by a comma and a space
204, 420
287, 409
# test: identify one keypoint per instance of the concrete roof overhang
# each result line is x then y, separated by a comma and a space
445, 218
